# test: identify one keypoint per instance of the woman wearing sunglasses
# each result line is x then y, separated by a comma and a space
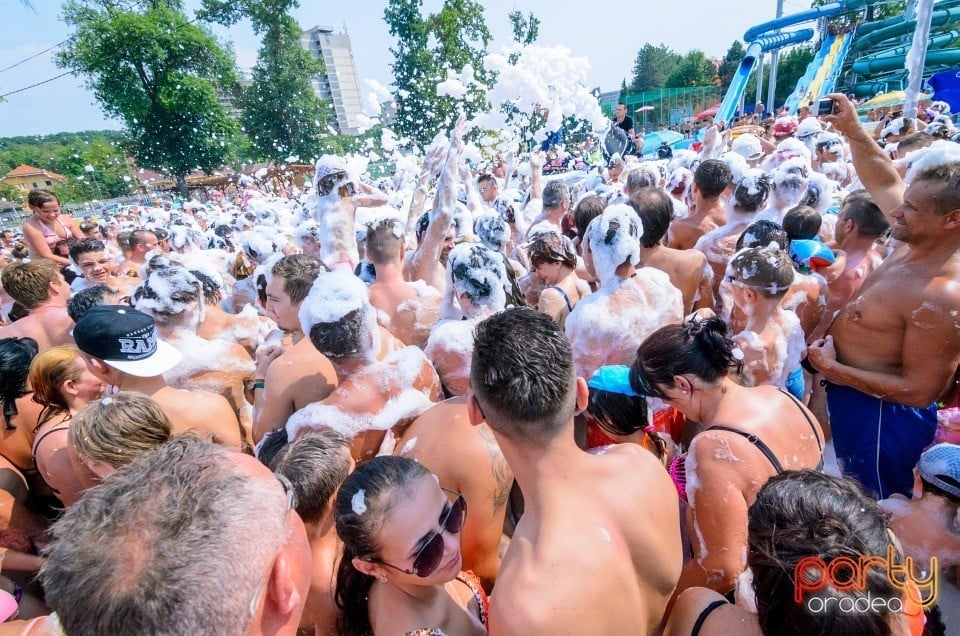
400, 568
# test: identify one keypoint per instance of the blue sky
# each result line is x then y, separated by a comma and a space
608, 35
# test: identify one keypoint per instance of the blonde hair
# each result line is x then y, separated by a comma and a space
116, 430
48, 371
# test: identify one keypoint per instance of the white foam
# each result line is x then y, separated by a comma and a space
357, 503
613, 247
332, 296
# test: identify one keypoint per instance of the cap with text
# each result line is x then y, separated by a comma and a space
126, 339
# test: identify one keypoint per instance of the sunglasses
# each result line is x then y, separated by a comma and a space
428, 557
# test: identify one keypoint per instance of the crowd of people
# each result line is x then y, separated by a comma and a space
697, 395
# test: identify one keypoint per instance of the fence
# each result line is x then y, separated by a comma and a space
667, 106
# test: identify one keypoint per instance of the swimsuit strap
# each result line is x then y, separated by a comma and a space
40, 439
702, 618
566, 298
810, 422
756, 441
471, 580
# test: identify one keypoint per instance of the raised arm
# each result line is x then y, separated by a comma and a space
536, 170
874, 167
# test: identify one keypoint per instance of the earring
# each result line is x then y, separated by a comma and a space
383, 578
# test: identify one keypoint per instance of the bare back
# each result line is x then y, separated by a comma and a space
50, 327
202, 413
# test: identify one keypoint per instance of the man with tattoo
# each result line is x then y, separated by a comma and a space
465, 459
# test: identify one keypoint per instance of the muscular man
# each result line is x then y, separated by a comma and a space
895, 347
190, 538
710, 180
689, 270
597, 550
408, 310
465, 459
42, 290
96, 267
121, 347
316, 465
299, 375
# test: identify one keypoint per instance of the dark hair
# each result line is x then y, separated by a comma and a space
84, 246
587, 209
914, 141
139, 237
36, 198
422, 224
28, 282
623, 415
712, 177
298, 272
655, 209
86, 299
947, 176
316, 464
492, 230
860, 208
474, 268
936, 491
210, 287
801, 514
801, 222
373, 482
761, 234
15, 357
550, 247
339, 339
382, 241
768, 270
699, 347
522, 374
751, 202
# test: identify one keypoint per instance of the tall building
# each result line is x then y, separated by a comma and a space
340, 84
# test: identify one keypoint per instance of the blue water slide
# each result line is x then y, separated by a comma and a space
803, 84
740, 78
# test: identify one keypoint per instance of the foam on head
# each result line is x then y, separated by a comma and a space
257, 244
492, 230
614, 239
169, 290
332, 296
938, 153
479, 273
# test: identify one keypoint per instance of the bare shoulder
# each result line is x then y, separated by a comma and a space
725, 618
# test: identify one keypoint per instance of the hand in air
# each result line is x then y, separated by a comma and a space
537, 160
844, 118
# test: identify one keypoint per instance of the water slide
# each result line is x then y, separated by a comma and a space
805, 82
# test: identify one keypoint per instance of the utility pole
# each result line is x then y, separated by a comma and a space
774, 59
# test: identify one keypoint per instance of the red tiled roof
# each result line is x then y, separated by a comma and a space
23, 170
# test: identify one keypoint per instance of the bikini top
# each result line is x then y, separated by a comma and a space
566, 298
471, 580
678, 468
702, 618
51, 236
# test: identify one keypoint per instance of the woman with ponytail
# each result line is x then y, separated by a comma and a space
749, 435
399, 572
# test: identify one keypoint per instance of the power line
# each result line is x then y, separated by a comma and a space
46, 81
27, 59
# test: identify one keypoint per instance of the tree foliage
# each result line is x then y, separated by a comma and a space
731, 61
652, 66
791, 66
525, 30
152, 67
427, 47
693, 69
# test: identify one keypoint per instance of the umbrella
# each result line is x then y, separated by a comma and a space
710, 112
657, 138
886, 100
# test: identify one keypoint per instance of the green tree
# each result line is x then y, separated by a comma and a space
652, 66
790, 68
623, 91
10, 193
525, 30
150, 66
731, 61
426, 48
694, 69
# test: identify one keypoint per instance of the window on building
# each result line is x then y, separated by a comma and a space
21, 186
35, 185
48, 183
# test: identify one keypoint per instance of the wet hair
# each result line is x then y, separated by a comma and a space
914, 142
210, 287
802, 222
140, 237
85, 246
550, 247
382, 240
761, 234
486, 178
555, 193
86, 299
478, 272
15, 357
316, 464
167, 293
655, 209
522, 374
947, 176
768, 270
28, 283
712, 177
48, 371
123, 241
698, 346
422, 224
638, 178
36, 198
860, 208
373, 484
116, 430
747, 201
799, 514
492, 230
586, 210
298, 272
89, 226
339, 339
622, 415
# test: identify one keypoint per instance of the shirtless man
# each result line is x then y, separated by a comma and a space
597, 550
96, 268
142, 242
490, 193
607, 326
247, 328
466, 459
556, 204
688, 269
408, 310
316, 465
372, 396
42, 290
121, 347
289, 379
884, 373
709, 182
